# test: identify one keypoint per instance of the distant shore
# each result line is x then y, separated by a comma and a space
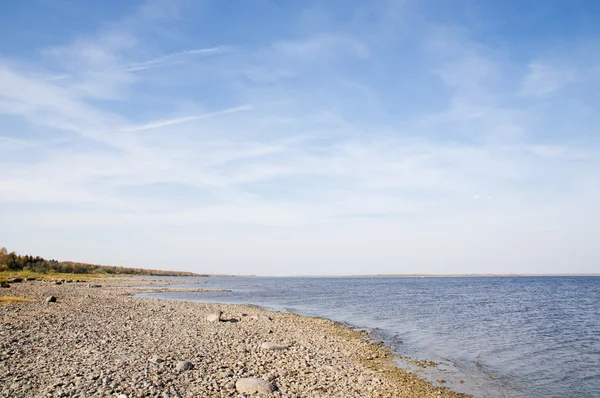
100, 341
416, 276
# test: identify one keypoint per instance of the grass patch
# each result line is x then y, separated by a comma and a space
4, 275
8, 300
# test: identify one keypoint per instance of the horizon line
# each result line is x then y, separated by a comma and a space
405, 275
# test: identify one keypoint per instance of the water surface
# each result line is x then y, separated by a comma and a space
502, 336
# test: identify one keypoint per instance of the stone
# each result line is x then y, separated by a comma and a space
214, 317
15, 280
225, 374
363, 379
250, 385
272, 346
156, 359
183, 366
93, 285
51, 299
57, 282
4, 285
99, 343
260, 317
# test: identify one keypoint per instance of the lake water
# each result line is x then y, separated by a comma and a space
502, 336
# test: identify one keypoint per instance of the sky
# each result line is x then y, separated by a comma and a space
276, 137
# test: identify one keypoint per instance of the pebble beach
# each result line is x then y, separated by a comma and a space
96, 339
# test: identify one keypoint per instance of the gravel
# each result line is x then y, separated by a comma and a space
267, 345
104, 342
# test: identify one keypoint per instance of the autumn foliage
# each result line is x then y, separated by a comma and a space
14, 262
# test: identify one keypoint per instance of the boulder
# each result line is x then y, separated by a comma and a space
4, 284
250, 385
15, 280
272, 346
51, 299
183, 366
214, 317
93, 285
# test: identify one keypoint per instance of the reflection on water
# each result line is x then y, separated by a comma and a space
503, 337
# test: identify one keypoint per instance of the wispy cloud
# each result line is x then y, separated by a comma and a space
172, 58
482, 197
55, 78
544, 79
334, 138
321, 46
47, 103
170, 122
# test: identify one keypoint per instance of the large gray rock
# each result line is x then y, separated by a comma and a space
183, 365
51, 299
272, 346
214, 317
250, 385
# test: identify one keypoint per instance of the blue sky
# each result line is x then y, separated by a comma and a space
285, 138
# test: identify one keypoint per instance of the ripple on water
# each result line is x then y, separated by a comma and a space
505, 337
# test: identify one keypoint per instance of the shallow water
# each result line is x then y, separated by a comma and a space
503, 337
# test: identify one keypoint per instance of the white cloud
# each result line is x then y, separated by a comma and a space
321, 46
293, 178
170, 59
170, 122
48, 103
482, 197
545, 79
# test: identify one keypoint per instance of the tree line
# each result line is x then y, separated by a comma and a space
15, 262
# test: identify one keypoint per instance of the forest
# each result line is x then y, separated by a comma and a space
15, 262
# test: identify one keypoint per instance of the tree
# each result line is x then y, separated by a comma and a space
12, 261
3, 253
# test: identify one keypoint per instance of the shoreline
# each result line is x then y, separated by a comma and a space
106, 342
434, 372
366, 276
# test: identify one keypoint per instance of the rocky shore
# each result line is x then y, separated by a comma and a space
97, 340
